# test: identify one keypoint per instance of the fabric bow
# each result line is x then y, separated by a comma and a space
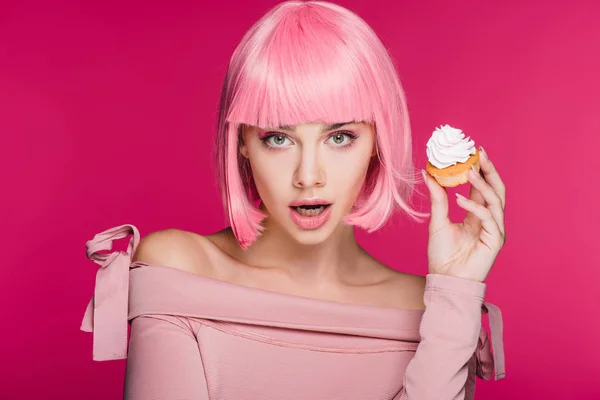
485, 363
107, 312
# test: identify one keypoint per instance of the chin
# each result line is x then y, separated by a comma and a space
311, 237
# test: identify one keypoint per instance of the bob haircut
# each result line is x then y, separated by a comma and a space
307, 61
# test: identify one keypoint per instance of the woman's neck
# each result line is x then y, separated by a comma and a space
318, 265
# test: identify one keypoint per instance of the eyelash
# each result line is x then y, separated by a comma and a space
348, 134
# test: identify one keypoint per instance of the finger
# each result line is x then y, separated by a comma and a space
477, 197
492, 176
439, 203
490, 235
493, 201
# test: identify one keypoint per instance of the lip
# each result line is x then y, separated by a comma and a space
309, 202
310, 223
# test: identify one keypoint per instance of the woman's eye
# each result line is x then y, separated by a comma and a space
340, 139
277, 140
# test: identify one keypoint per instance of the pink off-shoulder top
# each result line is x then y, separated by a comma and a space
194, 337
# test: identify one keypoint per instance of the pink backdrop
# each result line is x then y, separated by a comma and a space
107, 115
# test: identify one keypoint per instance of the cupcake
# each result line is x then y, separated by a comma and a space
450, 156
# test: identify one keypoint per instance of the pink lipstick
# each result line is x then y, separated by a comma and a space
310, 213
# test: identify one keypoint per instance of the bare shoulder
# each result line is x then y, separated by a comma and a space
402, 289
412, 287
174, 248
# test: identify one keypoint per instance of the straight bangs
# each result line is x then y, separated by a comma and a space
304, 72
314, 62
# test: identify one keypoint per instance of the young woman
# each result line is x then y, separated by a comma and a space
313, 141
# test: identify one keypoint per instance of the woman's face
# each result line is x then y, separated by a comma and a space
307, 163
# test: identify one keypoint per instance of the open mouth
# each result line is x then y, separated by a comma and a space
311, 210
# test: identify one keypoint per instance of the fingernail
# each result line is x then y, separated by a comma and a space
475, 173
483, 153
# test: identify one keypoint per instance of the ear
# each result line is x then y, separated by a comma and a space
374, 152
243, 149
242, 143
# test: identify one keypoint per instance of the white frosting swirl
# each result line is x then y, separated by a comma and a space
448, 146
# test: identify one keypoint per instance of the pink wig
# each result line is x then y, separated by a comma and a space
306, 62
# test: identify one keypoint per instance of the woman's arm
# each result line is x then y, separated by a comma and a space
449, 331
164, 360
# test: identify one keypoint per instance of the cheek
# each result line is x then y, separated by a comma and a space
260, 174
348, 177
271, 183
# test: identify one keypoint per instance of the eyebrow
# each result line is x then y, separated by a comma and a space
326, 128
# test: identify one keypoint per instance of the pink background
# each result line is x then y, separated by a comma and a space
107, 116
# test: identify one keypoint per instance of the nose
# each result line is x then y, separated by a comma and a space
309, 171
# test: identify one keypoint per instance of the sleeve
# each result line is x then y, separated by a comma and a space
452, 342
164, 360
